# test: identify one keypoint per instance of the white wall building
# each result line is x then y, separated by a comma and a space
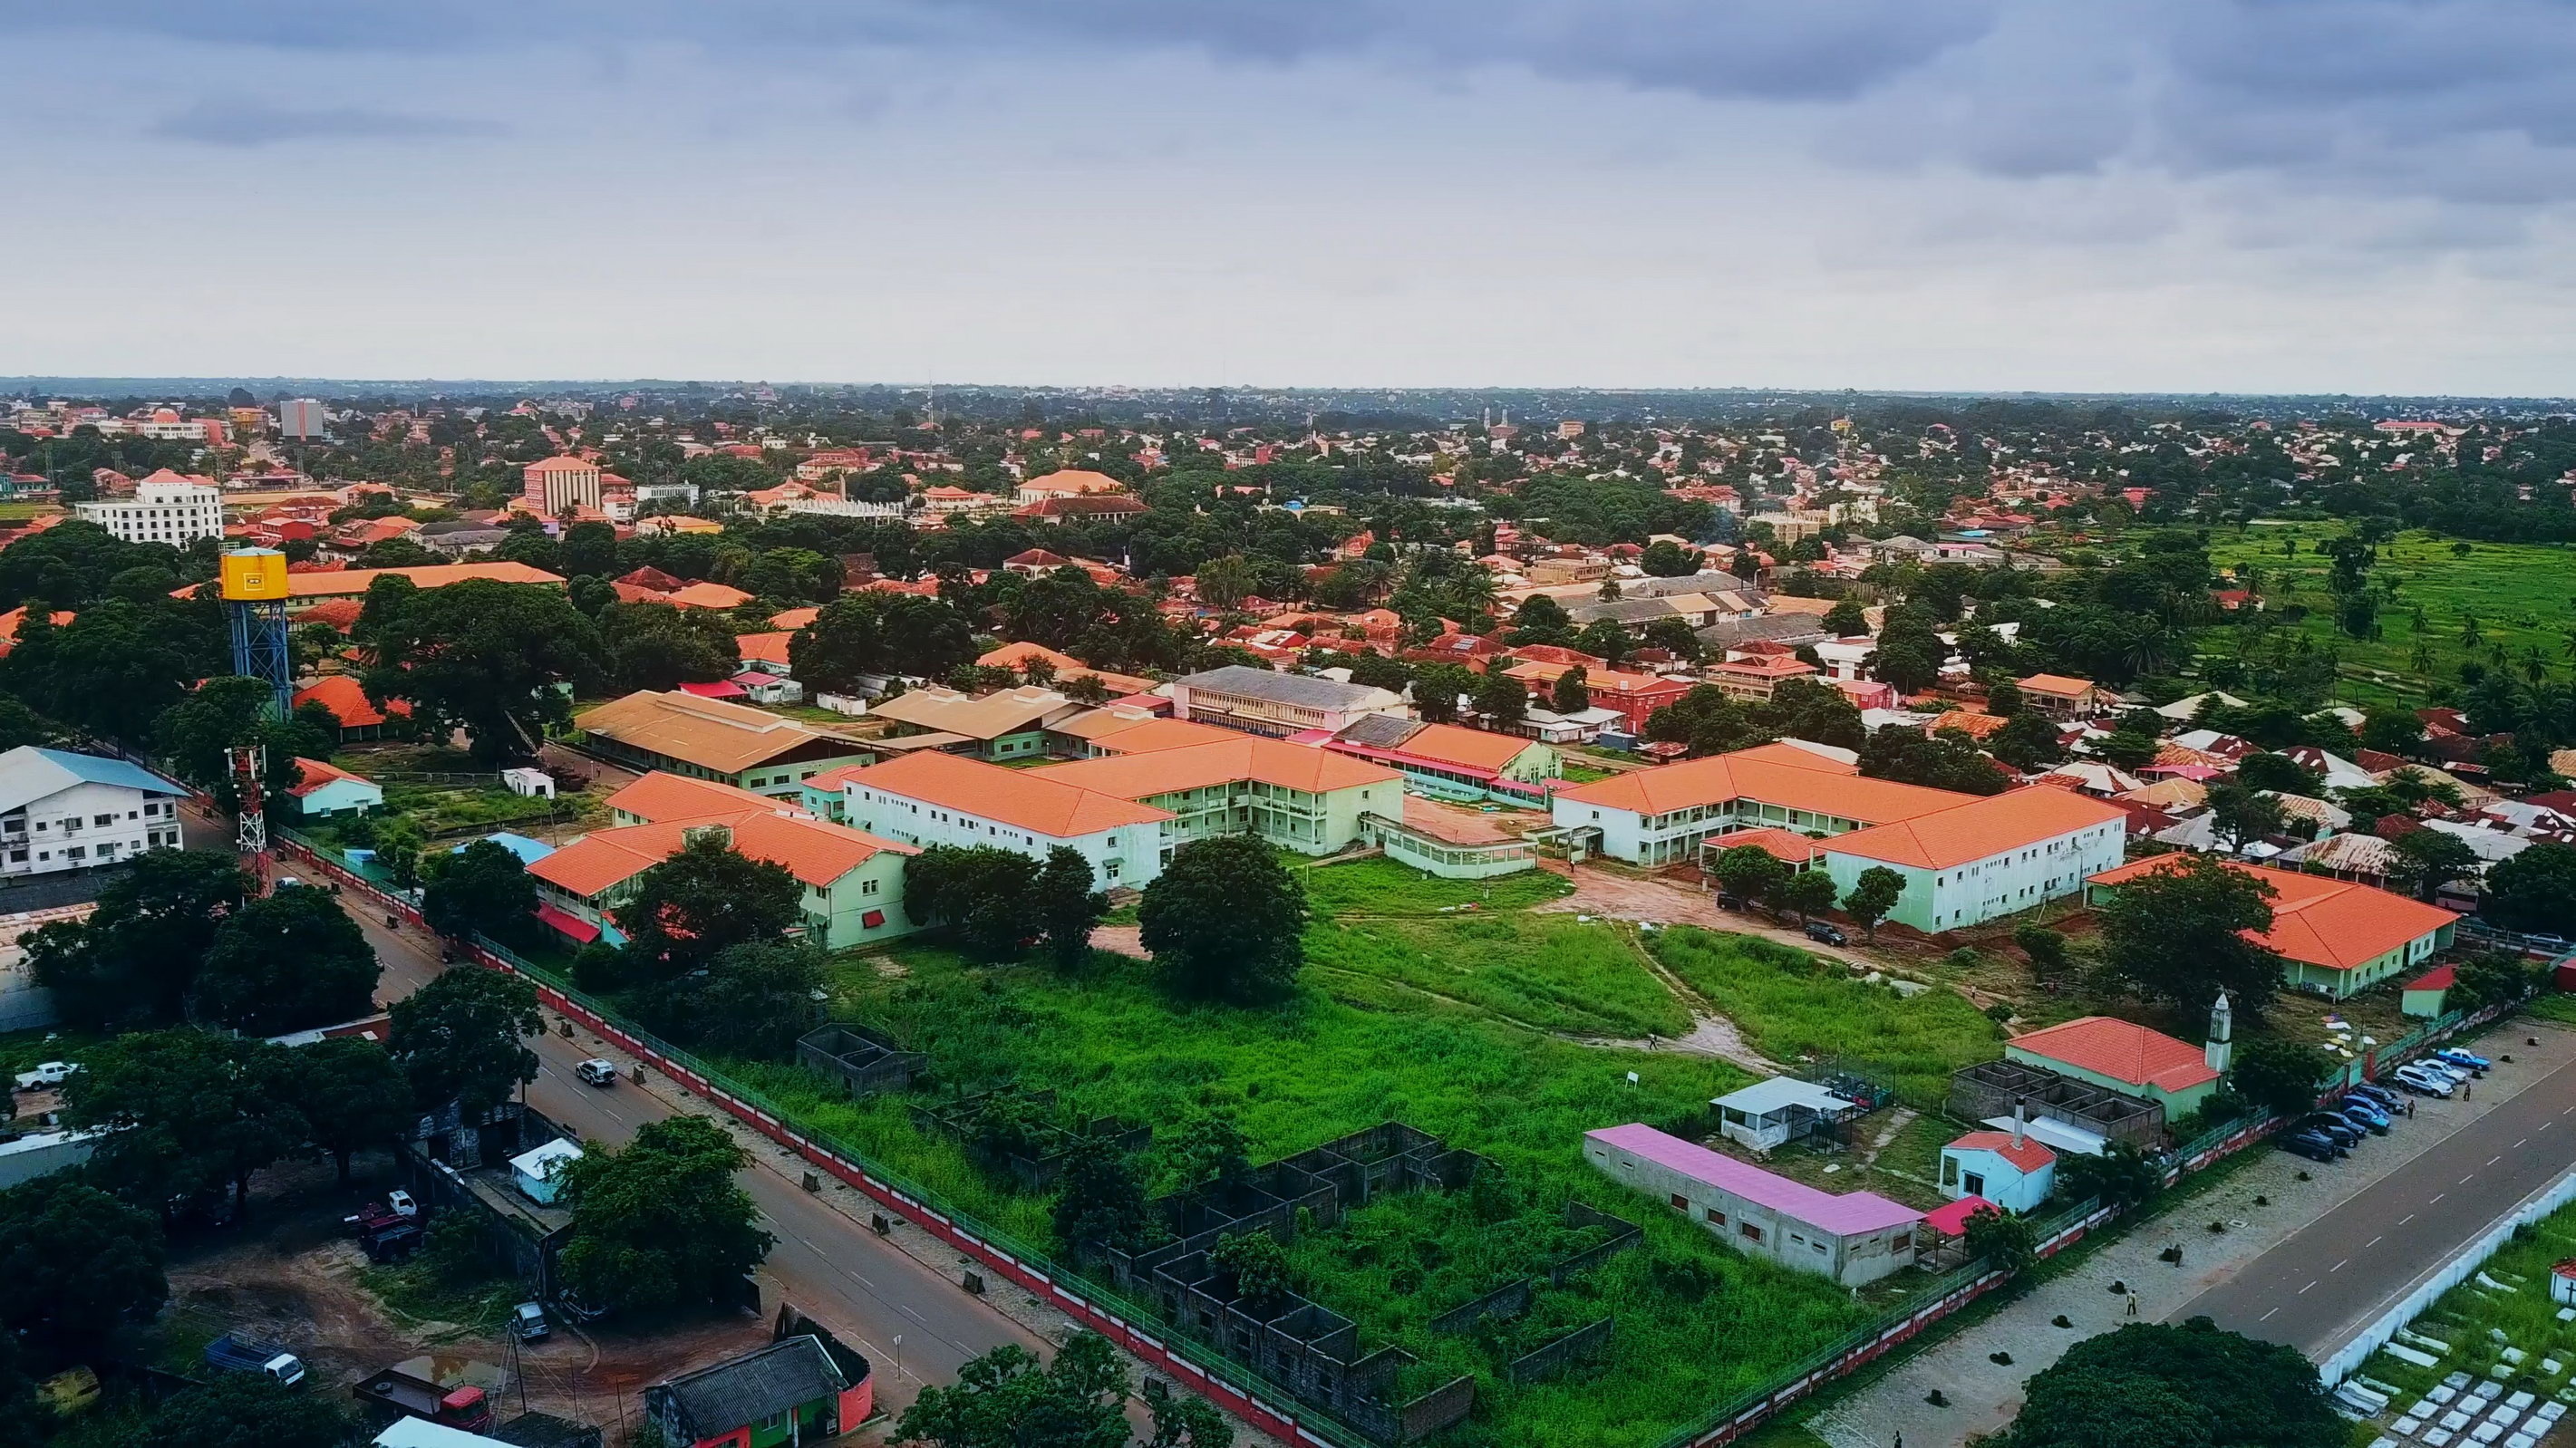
64, 811
172, 513
929, 798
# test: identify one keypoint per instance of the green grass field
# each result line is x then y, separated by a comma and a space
1792, 1006
2523, 597
1380, 886
1411, 1015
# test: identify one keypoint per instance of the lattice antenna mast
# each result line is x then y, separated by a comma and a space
249, 765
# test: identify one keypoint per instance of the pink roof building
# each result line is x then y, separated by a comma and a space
1853, 1238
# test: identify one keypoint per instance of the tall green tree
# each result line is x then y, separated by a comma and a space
659, 647
2427, 859
1226, 920
2278, 1074
2534, 890
662, 1224
1067, 907
1570, 695
1940, 761
459, 1038
483, 889
1750, 872
488, 658
2187, 931
133, 962
2190, 1385
1008, 1399
185, 1114
76, 1264
1874, 892
985, 897
748, 1000
706, 897
352, 1095
1502, 699
289, 961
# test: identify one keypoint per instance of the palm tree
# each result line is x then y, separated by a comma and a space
2422, 657
2470, 638
2535, 665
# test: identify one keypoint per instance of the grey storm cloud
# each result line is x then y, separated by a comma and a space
2359, 95
246, 124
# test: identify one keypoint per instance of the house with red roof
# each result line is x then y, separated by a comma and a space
358, 716
2334, 937
321, 790
2005, 1168
1854, 1238
2127, 1058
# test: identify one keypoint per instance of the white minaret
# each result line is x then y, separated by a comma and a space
2222, 1028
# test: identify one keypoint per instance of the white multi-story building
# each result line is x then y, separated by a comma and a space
929, 798
172, 512
64, 811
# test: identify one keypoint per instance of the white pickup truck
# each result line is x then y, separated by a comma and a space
47, 1076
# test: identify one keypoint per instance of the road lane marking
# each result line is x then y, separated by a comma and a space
2373, 1242
2267, 1317
2494, 1159
2437, 1196
2304, 1290
2402, 1221
2339, 1266
2464, 1181
2518, 1144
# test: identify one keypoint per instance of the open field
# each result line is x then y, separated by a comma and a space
1794, 1007
2523, 597
1380, 886
1413, 1016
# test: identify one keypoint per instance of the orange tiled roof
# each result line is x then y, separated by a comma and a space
2319, 920
1198, 766
762, 648
1969, 722
709, 733
1152, 735
347, 700
2026, 1158
658, 796
1778, 774
708, 595
793, 619
813, 851
1026, 798
2056, 685
1787, 845
1475, 748
1978, 828
312, 774
1073, 480
2121, 1050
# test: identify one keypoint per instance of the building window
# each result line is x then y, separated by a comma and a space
1751, 1232
867, 887
1716, 1217
1680, 1203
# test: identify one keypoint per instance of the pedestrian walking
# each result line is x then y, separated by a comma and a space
2410, 1108
2133, 1305
2464, 1091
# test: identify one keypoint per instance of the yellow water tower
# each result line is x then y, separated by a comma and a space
254, 575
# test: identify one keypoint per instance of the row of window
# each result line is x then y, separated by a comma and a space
106, 850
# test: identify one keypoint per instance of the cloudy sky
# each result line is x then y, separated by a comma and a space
2182, 195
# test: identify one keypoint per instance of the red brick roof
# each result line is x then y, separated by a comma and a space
2121, 1050
2026, 1158
2317, 919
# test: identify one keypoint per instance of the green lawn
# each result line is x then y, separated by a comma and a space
2522, 595
1793, 1006
1361, 1043
1380, 886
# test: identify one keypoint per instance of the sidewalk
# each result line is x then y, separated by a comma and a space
1984, 1395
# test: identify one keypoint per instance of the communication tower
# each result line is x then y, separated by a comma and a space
249, 764
254, 587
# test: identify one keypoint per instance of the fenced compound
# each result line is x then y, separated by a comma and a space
864, 1061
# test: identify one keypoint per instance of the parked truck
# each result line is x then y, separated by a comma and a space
417, 1388
235, 1354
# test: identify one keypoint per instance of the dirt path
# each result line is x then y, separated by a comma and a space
1622, 897
1121, 939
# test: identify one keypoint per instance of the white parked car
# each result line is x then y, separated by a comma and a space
597, 1071
47, 1076
2422, 1082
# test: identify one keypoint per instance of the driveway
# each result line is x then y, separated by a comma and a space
2270, 1221
1629, 897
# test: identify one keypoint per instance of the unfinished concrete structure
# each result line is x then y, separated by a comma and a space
864, 1061
1990, 1089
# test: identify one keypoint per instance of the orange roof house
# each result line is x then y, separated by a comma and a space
10, 621
358, 716
1068, 483
853, 879
332, 583
2121, 1056
2333, 936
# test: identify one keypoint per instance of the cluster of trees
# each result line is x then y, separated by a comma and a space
1710, 721
2190, 1385
997, 904
1226, 921
661, 1224
1755, 875
1009, 1399
180, 937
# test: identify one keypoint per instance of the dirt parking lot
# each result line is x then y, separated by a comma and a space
291, 1275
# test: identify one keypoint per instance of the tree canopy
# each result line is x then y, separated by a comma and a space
134, 960
1225, 919
459, 1037
706, 897
2184, 932
661, 1224
2190, 1385
481, 656
288, 961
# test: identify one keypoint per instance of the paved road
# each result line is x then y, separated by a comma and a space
824, 1262
2321, 1284
827, 1264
